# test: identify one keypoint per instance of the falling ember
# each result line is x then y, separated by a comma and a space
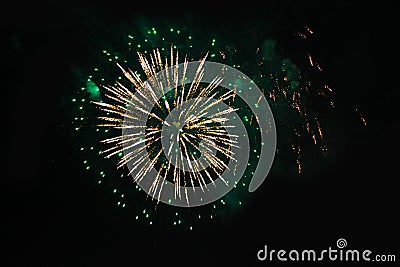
314, 137
301, 35
222, 53
308, 29
293, 91
310, 59
299, 169
320, 130
364, 121
362, 117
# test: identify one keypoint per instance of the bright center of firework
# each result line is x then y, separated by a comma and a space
186, 130
178, 126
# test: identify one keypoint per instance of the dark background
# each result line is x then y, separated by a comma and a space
51, 213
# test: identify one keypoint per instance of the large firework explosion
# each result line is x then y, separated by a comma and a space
196, 135
294, 94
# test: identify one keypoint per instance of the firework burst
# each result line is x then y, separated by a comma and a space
138, 117
197, 129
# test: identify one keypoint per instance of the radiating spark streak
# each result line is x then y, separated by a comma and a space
148, 167
162, 184
131, 76
216, 161
197, 176
206, 172
137, 82
223, 112
218, 147
116, 110
150, 72
213, 164
131, 139
170, 148
206, 151
121, 149
121, 91
119, 138
192, 169
196, 167
111, 119
197, 78
207, 107
211, 86
154, 184
132, 155
214, 83
175, 76
176, 182
186, 154
157, 84
183, 81
167, 106
208, 121
218, 139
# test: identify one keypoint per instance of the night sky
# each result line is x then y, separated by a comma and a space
53, 214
